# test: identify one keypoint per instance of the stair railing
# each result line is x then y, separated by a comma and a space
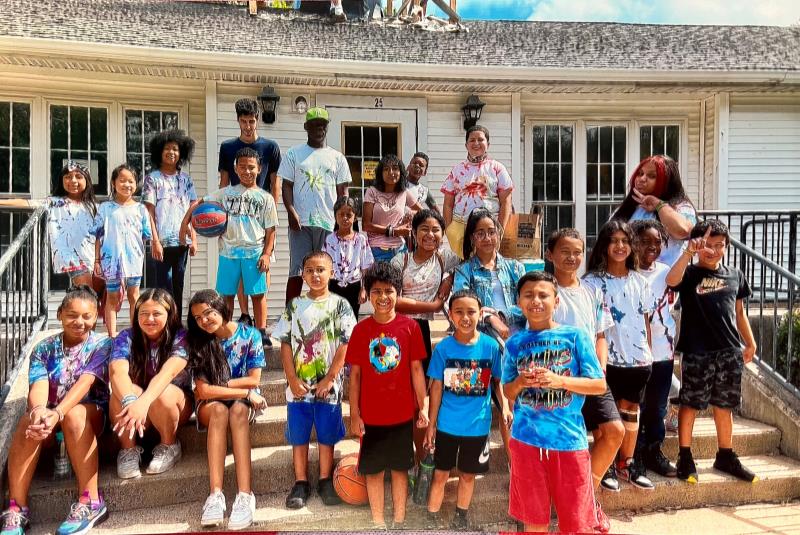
24, 286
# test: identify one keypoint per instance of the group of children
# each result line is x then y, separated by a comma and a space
559, 354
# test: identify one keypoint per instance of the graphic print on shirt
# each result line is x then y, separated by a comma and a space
384, 353
467, 378
556, 356
710, 285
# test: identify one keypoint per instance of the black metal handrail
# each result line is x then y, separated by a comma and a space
774, 314
24, 285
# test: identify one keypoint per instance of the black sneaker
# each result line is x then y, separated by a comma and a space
730, 464
327, 492
685, 468
246, 319
298, 496
459, 523
433, 521
656, 461
609, 481
637, 475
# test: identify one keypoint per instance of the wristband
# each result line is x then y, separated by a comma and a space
60, 414
127, 400
660, 205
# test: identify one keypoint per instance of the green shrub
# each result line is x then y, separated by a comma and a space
783, 347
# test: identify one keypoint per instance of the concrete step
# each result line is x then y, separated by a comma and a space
780, 482
272, 473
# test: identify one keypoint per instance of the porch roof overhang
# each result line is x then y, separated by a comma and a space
368, 75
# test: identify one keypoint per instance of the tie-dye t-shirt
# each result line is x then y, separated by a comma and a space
69, 226
466, 372
122, 351
314, 175
244, 351
477, 185
583, 307
662, 324
251, 211
669, 254
384, 352
123, 231
314, 329
628, 299
351, 257
62, 367
543, 417
171, 196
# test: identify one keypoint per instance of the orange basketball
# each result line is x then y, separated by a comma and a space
348, 483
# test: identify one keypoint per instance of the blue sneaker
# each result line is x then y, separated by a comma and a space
14, 520
83, 516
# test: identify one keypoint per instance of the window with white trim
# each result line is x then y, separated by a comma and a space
140, 127
659, 139
15, 147
606, 152
80, 133
553, 174
364, 145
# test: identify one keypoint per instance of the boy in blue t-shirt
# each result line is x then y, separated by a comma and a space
547, 371
460, 412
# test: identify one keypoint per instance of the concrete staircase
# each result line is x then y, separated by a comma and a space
172, 502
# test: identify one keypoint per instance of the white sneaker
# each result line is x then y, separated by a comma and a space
128, 461
242, 512
213, 510
165, 456
338, 14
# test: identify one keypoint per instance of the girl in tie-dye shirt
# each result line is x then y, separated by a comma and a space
68, 392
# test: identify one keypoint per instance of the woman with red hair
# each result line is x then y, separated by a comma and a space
656, 192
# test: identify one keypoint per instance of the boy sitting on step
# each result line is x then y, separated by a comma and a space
314, 330
713, 328
387, 384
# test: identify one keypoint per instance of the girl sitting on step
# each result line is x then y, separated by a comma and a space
69, 394
150, 383
225, 358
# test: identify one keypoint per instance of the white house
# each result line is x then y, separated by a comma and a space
572, 107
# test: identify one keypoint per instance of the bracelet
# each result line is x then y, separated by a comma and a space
36, 408
60, 414
660, 205
127, 400
388, 230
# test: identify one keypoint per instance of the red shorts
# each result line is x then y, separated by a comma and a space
539, 476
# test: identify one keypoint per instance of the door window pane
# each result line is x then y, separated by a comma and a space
80, 133
659, 139
552, 182
15, 149
140, 127
606, 153
363, 146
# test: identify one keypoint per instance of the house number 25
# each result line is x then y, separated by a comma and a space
379, 102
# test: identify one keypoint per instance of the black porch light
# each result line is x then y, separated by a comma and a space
268, 102
472, 111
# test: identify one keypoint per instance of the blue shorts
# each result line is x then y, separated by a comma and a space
231, 270
325, 417
385, 254
129, 282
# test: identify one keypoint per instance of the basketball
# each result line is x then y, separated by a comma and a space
209, 219
348, 483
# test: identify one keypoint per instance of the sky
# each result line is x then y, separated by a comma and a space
717, 12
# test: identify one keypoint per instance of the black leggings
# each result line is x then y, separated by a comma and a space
349, 292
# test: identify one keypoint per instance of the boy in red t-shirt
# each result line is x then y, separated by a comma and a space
385, 354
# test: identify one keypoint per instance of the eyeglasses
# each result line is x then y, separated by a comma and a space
205, 314
483, 234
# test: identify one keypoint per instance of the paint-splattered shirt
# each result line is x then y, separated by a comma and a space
123, 231
69, 226
171, 196
662, 324
351, 257
314, 329
314, 175
544, 417
628, 299
62, 367
477, 185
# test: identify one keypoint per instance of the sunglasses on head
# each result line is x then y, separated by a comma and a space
72, 165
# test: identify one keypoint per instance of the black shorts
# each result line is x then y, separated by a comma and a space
714, 378
469, 454
628, 383
425, 328
599, 410
386, 447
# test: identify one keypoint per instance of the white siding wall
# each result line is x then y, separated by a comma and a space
43, 86
710, 162
764, 153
